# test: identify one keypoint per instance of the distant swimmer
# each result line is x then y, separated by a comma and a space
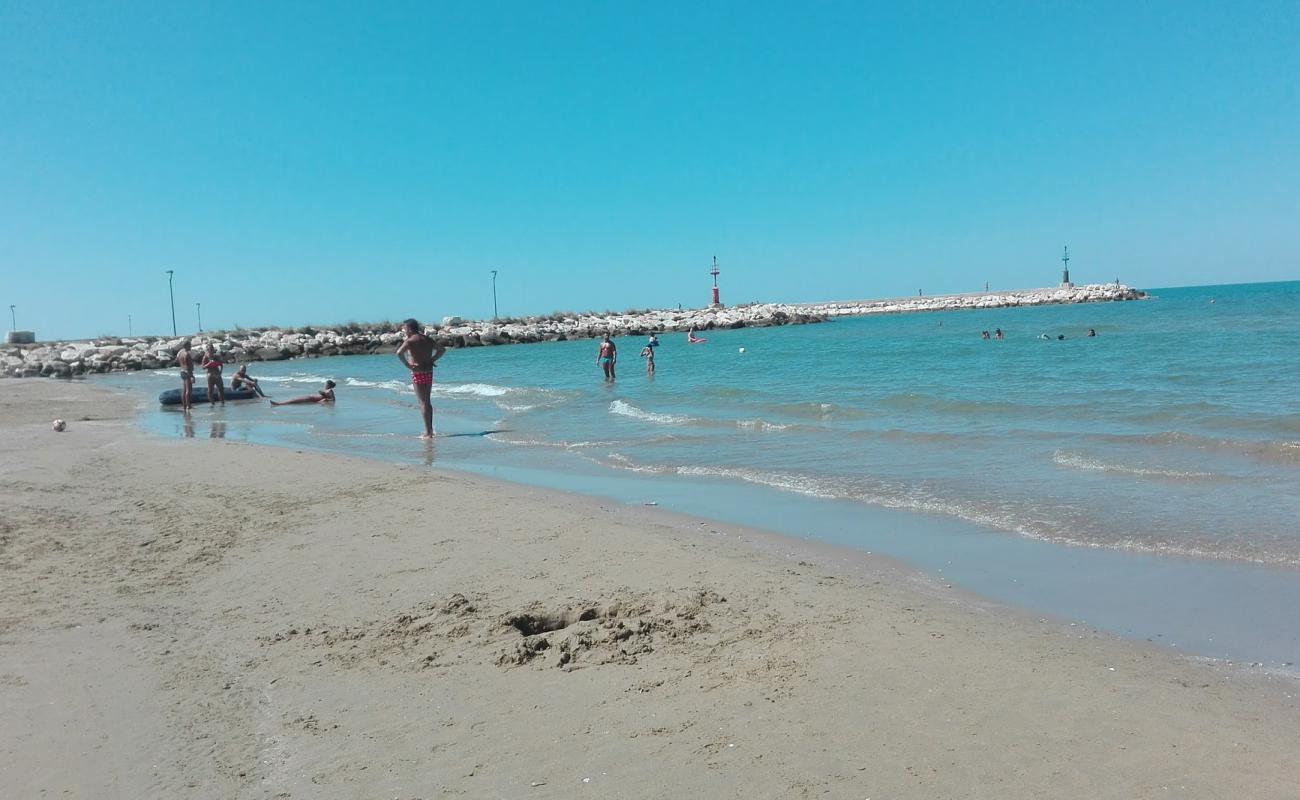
984, 335
1091, 332
997, 334
241, 378
424, 354
1060, 337
607, 357
654, 341
648, 353
325, 395
1044, 336
691, 338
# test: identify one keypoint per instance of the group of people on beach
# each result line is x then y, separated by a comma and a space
213, 366
418, 353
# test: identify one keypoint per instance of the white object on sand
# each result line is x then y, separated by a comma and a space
58, 425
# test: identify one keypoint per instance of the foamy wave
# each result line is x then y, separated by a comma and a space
479, 389
626, 409
759, 425
317, 379
393, 385
515, 408
790, 482
532, 441
1065, 458
917, 499
623, 462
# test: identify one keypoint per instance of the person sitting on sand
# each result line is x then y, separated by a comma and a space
648, 353
325, 395
216, 387
241, 378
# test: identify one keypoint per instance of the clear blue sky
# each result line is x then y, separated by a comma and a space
320, 162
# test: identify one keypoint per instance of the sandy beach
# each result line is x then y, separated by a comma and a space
205, 618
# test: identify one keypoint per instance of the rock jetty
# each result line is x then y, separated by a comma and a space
66, 359
1093, 293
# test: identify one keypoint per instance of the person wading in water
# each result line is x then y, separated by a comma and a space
424, 354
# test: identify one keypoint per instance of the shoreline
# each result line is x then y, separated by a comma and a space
354, 635
65, 359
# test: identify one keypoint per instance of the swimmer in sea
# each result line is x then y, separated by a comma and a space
325, 395
648, 353
607, 357
424, 353
691, 338
1091, 333
997, 334
984, 335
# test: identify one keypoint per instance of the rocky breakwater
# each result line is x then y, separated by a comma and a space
111, 354
1093, 293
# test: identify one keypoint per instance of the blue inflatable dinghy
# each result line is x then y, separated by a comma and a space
172, 397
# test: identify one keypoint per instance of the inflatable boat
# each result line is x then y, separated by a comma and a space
172, 397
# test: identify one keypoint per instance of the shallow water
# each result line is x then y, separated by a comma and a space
1170, 440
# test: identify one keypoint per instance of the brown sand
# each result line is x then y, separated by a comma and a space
202, 618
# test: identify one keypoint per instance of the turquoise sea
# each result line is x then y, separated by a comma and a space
1146, 481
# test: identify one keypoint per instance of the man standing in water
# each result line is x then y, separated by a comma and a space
424, 353
185, 360
607, 357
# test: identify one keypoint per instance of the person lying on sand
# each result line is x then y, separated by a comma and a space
325, 395
241, 378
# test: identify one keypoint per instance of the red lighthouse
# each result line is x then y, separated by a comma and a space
714, 272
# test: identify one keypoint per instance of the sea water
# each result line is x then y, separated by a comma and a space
1146, 480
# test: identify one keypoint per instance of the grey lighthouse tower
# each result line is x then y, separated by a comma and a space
1065, 273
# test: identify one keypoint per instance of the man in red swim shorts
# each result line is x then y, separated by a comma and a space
424, 353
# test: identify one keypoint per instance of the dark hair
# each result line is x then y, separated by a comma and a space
411, 323
330, 384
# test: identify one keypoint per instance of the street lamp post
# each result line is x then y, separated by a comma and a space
13, 317
494, 295
172, 295
129, 331
198, 309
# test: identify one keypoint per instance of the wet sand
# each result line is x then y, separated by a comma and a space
204, 618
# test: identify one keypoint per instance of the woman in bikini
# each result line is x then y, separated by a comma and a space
325, 395
212, 364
